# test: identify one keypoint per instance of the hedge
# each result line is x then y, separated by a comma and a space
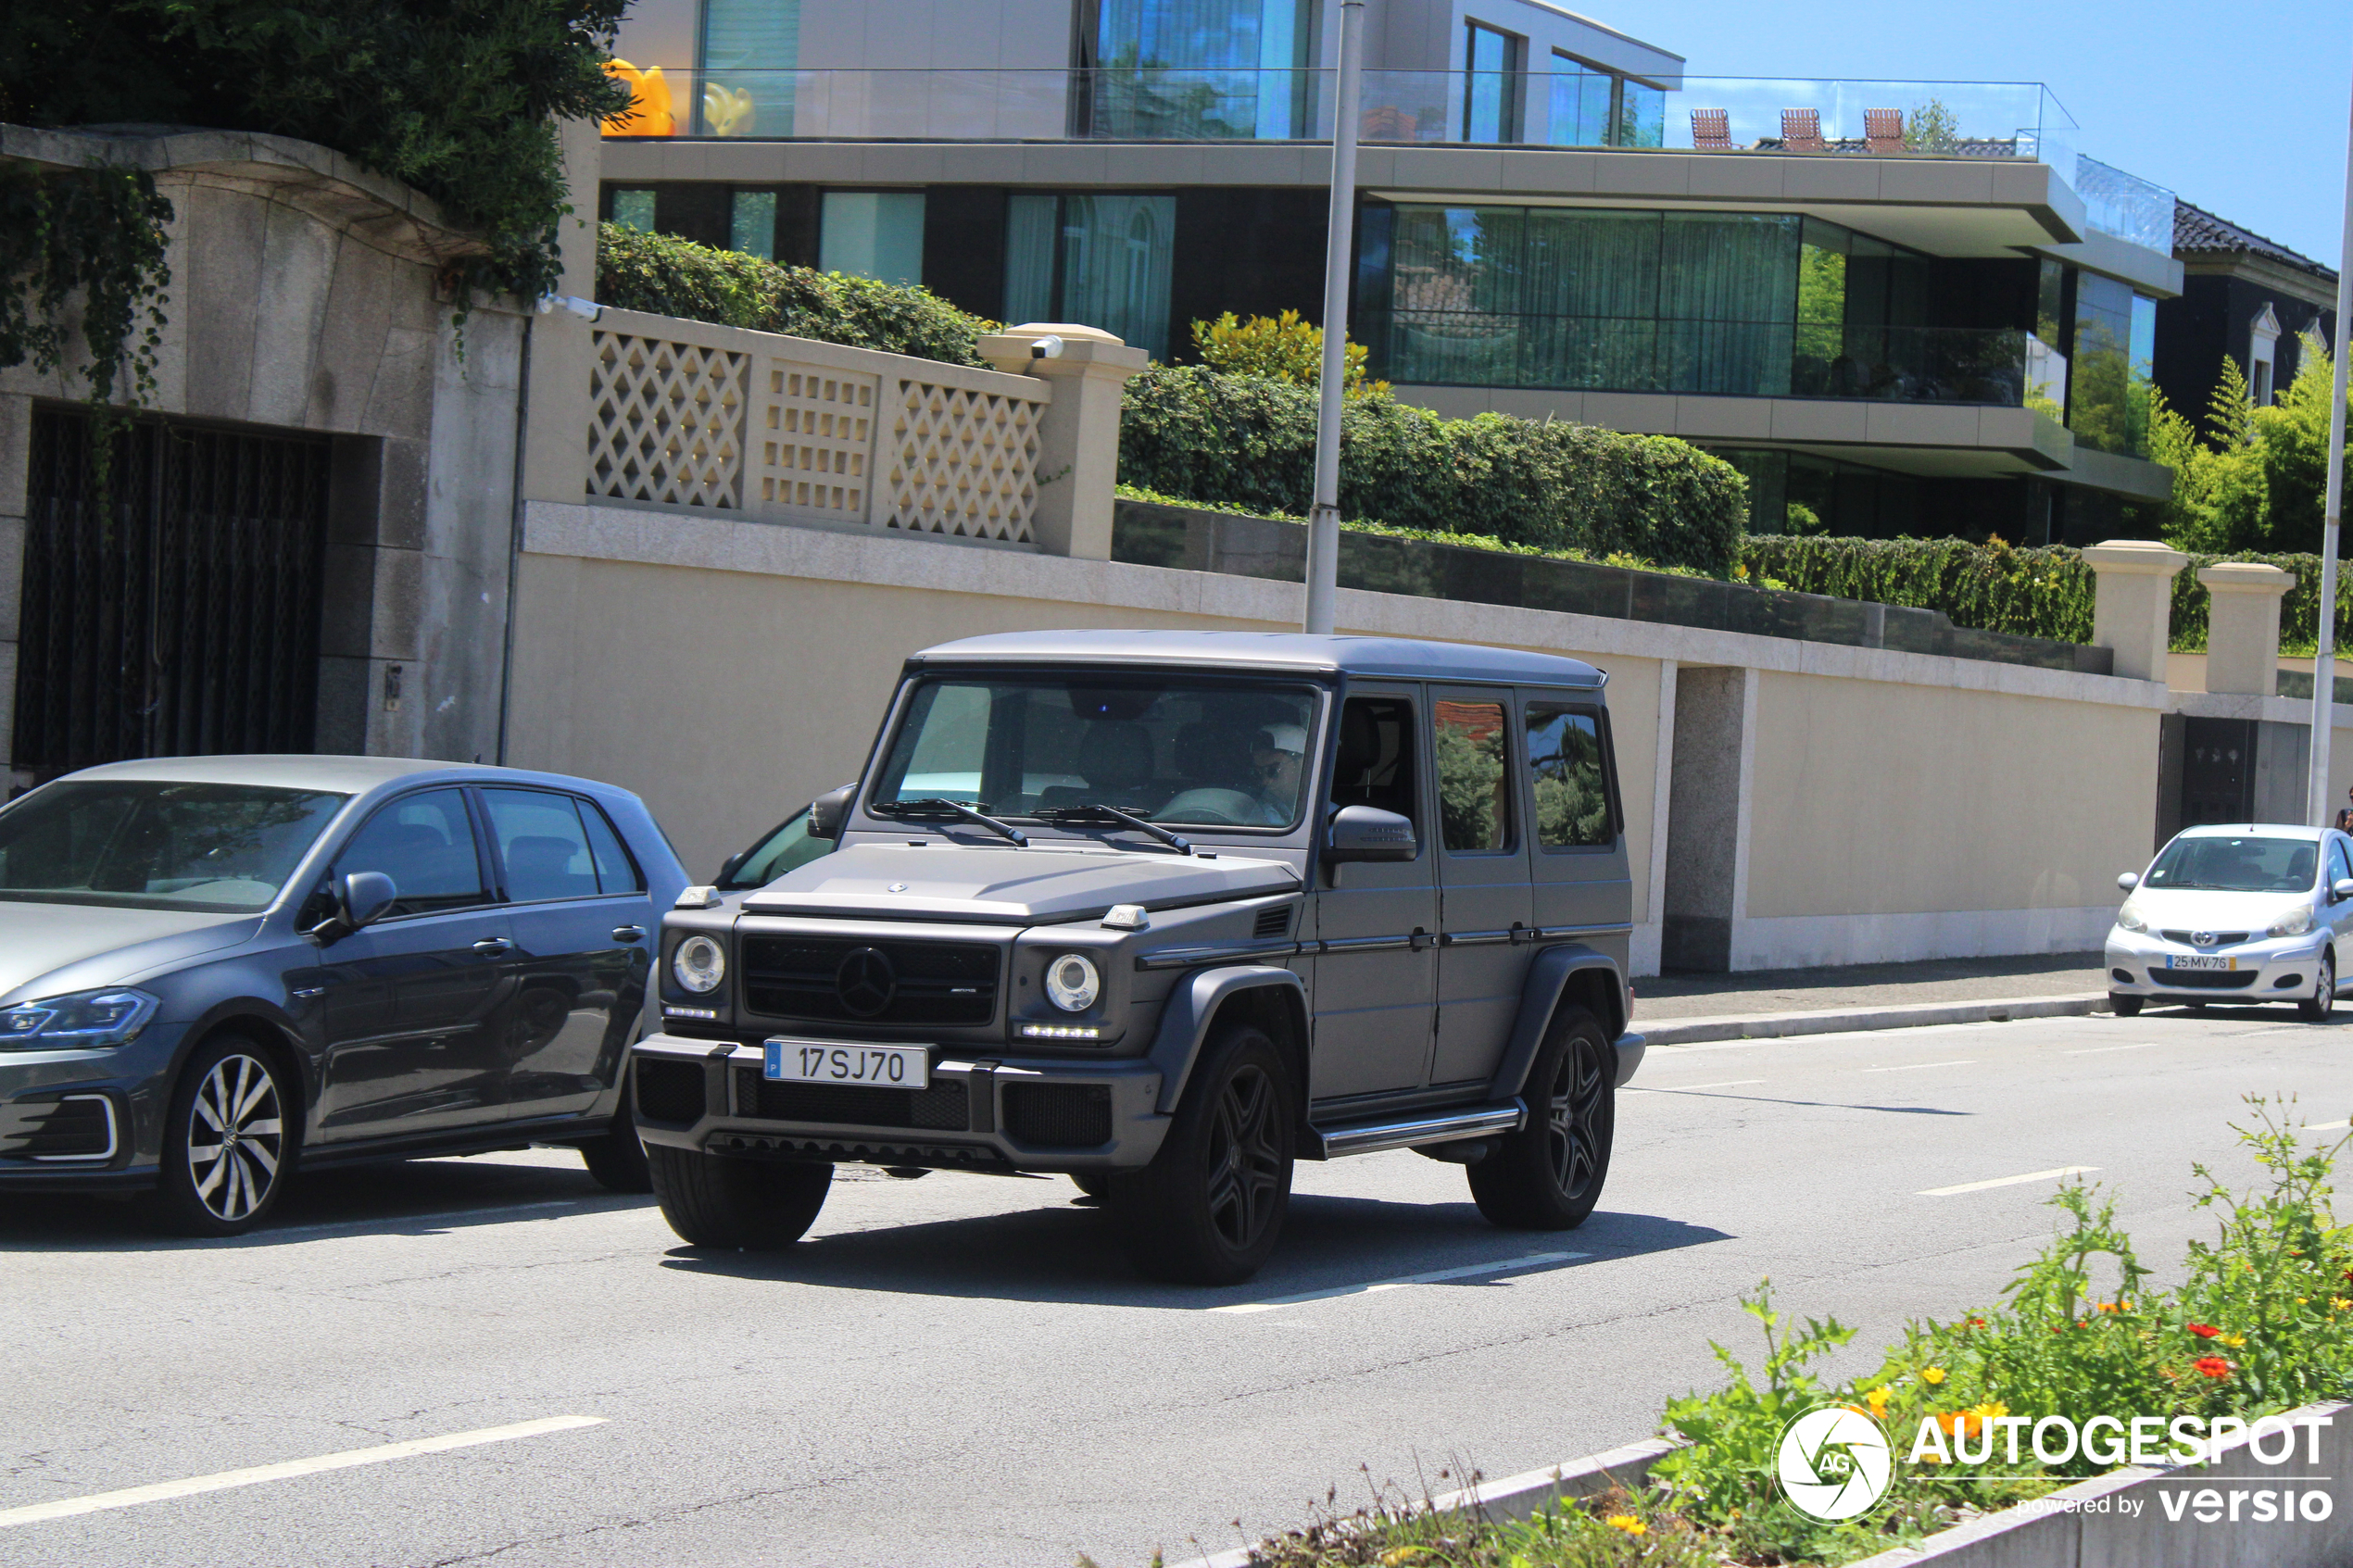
667, 276
1995, 587
1250, 442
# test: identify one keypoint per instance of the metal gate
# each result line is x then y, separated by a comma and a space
183, 617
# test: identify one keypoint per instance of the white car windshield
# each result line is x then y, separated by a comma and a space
157, 845
2235, 864
1163, 749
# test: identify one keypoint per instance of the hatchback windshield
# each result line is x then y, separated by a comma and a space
157, 845
1171, 751
2236, 865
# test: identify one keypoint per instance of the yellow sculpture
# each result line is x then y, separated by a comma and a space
648, 113
726, 111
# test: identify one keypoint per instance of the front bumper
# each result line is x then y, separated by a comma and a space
2272, 969
86, 1121
981, 1114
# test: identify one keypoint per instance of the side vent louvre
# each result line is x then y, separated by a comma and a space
1273, 922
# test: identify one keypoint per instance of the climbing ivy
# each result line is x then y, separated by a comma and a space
96, 234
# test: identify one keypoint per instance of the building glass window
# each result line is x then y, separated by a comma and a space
751, 224
1199, 69
1491, 85
634, 209
2262, 357
1097, 261
1584, 105
874, 234
1642, 115
750, 56
2111, 370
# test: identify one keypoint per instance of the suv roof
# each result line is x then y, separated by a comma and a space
1280, 652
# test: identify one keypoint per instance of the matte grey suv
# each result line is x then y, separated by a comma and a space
214, 970
1165, 911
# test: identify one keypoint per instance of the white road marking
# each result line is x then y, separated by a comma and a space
2330, 1126
1533, 1260
2007, 1181
1916, 1066
1689, 1088
130, 1496
2097, 1051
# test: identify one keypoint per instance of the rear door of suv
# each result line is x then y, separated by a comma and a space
1484, 903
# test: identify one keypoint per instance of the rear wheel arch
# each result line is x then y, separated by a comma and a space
1595, 990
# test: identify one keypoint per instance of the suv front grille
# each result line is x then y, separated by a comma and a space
945, 1106
897, 982
669, 1091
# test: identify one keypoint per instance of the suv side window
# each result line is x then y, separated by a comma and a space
425, 842
1376, 763
1569, 775
1474, 778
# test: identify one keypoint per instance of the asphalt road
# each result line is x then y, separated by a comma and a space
963, 1371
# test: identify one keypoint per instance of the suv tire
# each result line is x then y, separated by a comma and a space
228, 1140
617, 1161
713, 1201
1548, 1175
1209, 1208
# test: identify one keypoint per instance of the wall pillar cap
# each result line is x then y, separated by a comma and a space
1085, 350
2135, 558
2245, 577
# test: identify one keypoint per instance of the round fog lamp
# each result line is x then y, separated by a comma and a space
1071, 984
699, 964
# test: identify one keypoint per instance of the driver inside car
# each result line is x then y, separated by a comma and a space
1276, 761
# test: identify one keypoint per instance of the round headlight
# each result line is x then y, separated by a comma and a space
1071, 984
699, 964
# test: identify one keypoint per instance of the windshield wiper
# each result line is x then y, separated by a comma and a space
932, 806
1096, 812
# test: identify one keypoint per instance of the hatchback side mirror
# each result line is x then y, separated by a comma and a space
1368, 833
829, 810
365, 896
2129, 881
2342, 888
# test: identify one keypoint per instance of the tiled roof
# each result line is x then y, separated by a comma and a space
2194, 229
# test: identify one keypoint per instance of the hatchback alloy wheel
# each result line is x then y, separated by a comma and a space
236, 1138
2316, 1007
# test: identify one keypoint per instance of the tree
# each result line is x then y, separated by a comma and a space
2256, 482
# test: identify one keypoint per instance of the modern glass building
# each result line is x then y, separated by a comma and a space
1888, 302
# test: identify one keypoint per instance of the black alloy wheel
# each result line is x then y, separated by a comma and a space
1548, 1175
1209, 1208
228, 1141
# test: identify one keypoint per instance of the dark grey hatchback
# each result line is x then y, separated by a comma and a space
216, 970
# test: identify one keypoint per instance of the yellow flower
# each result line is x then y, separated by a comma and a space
2299, 1301
1403, 1555
1876, 1398
1932, 1375
2338, 1304
1627, 1522
2236, 1341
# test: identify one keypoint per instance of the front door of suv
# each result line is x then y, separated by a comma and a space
1377, 972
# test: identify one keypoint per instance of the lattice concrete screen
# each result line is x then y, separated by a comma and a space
665, 421
817, 445
960, 462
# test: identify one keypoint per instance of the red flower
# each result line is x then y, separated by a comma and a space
2204, 1331
2213, 1366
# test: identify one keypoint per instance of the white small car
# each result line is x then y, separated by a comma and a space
2248, 913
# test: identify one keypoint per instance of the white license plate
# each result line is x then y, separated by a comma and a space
824, 1062
2200, 961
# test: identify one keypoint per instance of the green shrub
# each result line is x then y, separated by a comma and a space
1281, 348
1250, 442
667, 276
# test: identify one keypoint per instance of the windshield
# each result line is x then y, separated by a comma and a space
1167, 750
2236, 865
157, 845
787, 847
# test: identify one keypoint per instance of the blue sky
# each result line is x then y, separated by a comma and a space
2239, 105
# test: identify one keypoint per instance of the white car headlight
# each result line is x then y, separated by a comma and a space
85, 1019
700, 964
2129, 919
2295, 921
1072, 983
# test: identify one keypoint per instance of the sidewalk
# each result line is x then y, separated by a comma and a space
1684, 1007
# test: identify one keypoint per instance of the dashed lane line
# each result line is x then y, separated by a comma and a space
2006, 1180
1917, 1066
2103, 1050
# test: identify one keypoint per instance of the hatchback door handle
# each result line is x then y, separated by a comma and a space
629, 934
491, 947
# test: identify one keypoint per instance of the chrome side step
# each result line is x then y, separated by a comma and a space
1405, 1132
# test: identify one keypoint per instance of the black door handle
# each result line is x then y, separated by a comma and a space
491, 946
629, 934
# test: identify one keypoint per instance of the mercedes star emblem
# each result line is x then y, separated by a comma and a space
865, 982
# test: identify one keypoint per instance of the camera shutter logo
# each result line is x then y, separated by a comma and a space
1834, 1463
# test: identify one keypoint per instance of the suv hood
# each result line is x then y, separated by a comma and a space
47, 950
1010, 885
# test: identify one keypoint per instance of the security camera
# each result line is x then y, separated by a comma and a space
588, 309
1046, 347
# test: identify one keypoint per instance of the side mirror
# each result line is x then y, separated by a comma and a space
2128, 881
829, 810
1368, 833
2343, 889
727, 867
365, 896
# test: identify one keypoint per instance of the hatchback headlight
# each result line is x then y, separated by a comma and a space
700, 964
82, 1018
2295, 921
1072, 983
2129, 919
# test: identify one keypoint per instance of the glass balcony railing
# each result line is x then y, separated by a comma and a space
1156, 103
1958, 365
2125, 204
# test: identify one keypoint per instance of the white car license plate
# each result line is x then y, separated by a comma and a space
2199, 961
828, 1061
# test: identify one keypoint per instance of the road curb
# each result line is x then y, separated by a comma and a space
1840, 1020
